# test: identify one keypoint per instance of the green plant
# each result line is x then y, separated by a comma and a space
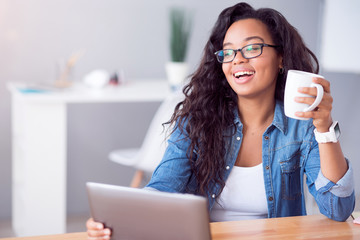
180, 21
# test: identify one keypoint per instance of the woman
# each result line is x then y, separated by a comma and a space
232, 142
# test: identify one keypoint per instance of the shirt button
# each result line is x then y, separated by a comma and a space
267, 167
238, 138
213, 196
227, 167
271, 198
267, 137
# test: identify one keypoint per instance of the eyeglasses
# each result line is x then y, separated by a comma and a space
248, 52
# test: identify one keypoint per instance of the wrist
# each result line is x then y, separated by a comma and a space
332, 134
322, 128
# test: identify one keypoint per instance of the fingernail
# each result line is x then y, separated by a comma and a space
99, 226
106, 232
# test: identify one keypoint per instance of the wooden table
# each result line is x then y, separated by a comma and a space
304, 227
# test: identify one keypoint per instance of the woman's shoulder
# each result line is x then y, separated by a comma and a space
178, 130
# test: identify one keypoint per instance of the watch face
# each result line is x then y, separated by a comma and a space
337, 130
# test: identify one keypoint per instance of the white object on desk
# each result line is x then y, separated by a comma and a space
97, 78
39, 149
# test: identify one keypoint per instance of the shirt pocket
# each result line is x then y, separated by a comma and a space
290, 175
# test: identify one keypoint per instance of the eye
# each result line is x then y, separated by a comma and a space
252, 48
228, 52
225, 55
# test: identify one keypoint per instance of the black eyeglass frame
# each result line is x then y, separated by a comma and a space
262, 45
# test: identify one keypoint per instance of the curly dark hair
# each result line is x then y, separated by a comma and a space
208, 107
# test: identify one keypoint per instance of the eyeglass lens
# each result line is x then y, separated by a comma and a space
249, 51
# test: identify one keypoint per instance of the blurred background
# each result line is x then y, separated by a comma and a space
133, 36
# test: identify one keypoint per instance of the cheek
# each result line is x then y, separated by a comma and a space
274, 69
226, 68
268, 67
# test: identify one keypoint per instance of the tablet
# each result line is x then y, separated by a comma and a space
139, 214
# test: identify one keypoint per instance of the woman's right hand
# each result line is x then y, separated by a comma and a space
96, 230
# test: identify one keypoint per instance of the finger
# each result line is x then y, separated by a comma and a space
325, 104
91, 224
95, 233
312, 114
323, 82
98, 238
318, 113
312, 91
99, 233
320, 116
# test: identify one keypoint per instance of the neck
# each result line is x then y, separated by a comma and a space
256, 114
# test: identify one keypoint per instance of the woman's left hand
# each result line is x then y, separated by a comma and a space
321, 115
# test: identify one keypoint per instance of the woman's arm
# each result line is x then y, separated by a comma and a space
330, 181
174, 171
333, 163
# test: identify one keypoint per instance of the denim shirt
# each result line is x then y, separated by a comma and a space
289, 151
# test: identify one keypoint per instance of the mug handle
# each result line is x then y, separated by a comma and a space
319, 96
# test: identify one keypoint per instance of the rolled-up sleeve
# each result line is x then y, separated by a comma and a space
335, 200
343, 188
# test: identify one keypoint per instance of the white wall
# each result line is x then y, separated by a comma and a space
129, 35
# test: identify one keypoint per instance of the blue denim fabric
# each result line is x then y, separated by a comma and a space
289, 151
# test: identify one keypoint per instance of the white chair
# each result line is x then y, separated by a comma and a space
148, 156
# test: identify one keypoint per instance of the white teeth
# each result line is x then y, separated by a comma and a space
239, 74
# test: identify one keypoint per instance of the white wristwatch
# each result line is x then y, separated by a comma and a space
331, 136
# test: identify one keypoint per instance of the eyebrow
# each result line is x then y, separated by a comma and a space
247, 39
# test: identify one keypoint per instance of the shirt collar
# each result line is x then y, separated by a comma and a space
280, 120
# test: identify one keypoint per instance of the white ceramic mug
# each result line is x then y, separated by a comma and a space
296, 79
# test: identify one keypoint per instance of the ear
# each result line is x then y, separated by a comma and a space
281, 65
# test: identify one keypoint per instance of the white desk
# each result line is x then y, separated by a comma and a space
39, 149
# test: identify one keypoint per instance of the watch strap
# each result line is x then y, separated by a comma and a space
331, 136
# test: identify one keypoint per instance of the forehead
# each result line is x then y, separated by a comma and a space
240, 32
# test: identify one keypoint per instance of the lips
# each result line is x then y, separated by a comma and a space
243, 76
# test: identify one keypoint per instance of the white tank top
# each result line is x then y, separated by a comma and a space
243, 196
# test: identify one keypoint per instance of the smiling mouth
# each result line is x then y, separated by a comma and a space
243, 74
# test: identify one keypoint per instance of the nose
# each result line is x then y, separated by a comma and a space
239, 58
